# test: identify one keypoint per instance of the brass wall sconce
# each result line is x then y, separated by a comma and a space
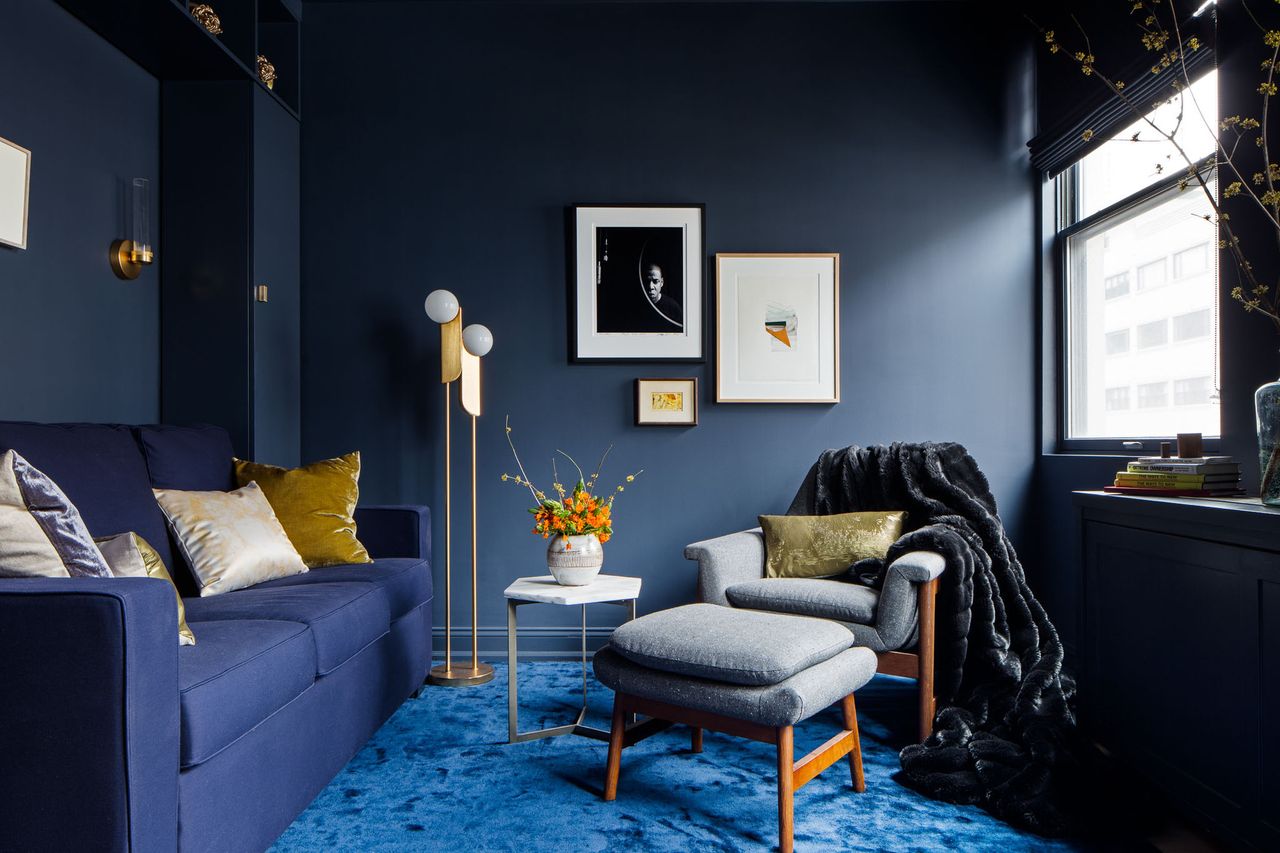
128, 256
460, 354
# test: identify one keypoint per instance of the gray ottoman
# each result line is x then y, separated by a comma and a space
742, 672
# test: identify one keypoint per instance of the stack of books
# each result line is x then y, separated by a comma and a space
1205, 477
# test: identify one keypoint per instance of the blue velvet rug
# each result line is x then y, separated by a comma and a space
440, 776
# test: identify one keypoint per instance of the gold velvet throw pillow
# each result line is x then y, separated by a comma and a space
130, 556
819, 546
316, 506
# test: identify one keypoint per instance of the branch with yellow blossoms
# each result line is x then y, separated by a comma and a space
1168, 49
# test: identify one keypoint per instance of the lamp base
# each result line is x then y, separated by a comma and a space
121, 257
445, 675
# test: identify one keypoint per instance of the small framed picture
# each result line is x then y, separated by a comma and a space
777, 328
15, 191
636, 287
667, 402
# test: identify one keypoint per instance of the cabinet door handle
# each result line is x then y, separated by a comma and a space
260, 293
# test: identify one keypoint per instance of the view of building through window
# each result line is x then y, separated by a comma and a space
1142, 292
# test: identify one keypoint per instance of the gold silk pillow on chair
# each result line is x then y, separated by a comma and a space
820, 546
316, 506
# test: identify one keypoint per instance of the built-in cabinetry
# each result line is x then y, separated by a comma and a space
229, 207
1180, 659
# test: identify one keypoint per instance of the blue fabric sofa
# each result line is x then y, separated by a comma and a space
112, 737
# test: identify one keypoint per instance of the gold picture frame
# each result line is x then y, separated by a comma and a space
15, 193
668, 402
778, 327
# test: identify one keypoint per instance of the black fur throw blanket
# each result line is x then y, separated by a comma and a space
1002, 738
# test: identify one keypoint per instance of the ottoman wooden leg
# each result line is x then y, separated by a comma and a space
696, 739
786, 789
614, 763
855, 752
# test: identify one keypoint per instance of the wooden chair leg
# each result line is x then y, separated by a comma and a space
613, 764
928, 704
696, 739
786, 789
855, 754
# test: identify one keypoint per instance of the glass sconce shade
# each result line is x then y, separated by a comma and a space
477, 339
441, 306
141, 235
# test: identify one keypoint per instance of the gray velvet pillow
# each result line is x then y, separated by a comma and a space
724, 644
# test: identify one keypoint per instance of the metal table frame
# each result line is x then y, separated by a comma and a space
514, 735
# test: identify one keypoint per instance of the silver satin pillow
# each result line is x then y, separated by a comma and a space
231, 539
41, 532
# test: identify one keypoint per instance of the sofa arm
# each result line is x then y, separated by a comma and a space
89, 725
395, 531
896, 613
725, 561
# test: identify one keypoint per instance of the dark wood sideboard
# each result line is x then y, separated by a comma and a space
1180, 653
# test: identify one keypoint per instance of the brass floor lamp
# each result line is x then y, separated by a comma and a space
460, 354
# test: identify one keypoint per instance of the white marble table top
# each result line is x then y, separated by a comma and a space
545, 590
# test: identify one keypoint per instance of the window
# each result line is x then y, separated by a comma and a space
1126, 230
1189, 327
1193, 261
1152, 274
1153, 334
1116, 285
1153, 395
1118, 399
1192, 392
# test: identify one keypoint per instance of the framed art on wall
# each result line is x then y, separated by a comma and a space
15, 191
667, 402
777, 328
636, 286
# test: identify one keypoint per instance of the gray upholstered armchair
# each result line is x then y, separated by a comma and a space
896, 621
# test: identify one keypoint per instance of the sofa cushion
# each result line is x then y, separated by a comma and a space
99, 467
729, 645
188, 458
821, 599
240, 673
343, 617
405, 582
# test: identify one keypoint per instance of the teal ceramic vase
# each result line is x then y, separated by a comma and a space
1267, 402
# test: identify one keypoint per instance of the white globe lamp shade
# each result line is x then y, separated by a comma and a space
477, 339
441, 306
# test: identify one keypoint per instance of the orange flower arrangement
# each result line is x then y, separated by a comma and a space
577, 513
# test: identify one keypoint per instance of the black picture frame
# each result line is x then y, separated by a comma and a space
609, 319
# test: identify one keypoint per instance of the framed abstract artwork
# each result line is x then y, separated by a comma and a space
777, 328
15, 190
667, 402
636, 290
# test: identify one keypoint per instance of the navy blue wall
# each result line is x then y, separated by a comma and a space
445, 157
79, 343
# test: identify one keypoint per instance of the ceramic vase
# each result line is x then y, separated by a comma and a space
575, 560
1266, 401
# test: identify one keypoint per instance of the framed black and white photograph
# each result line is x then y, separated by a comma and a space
667, 402
637, 289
